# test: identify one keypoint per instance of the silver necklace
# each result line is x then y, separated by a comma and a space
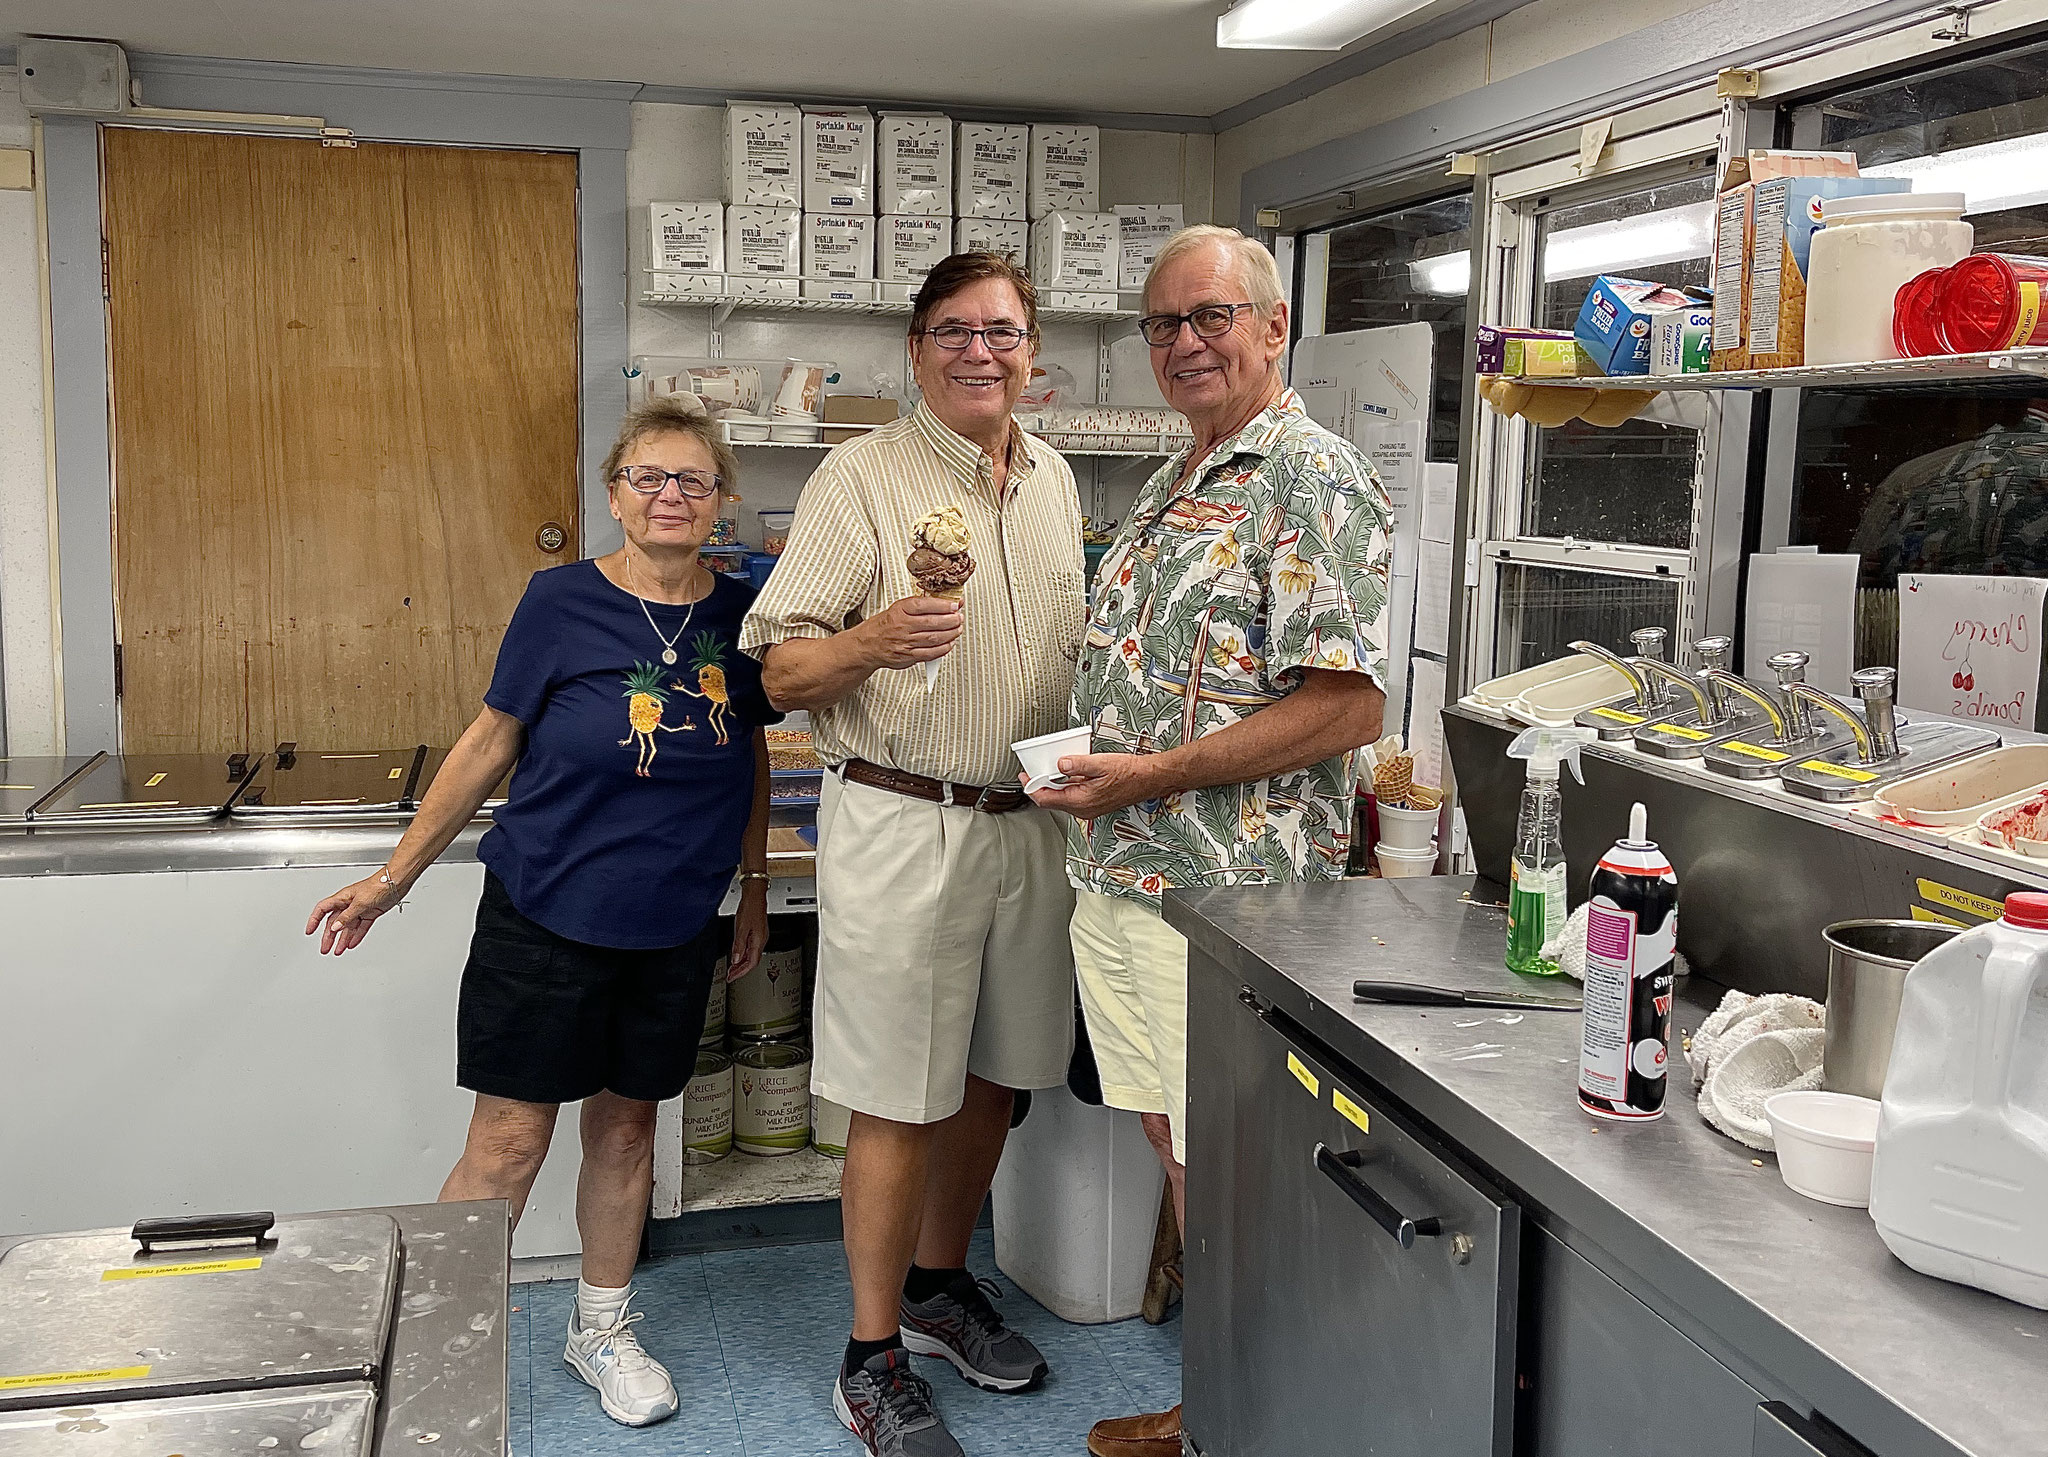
668, 644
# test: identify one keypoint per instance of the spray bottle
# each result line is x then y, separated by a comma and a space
1631, 945
1536, 889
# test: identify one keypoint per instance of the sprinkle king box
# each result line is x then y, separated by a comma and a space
1614, 322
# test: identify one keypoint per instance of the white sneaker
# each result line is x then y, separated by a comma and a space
632, 1386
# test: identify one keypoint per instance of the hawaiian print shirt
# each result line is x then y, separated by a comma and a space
1271, 558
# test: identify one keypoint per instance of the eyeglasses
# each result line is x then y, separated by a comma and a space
648, 480
1210, 321
1001, 338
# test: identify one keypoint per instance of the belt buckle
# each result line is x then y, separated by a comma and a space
981, 799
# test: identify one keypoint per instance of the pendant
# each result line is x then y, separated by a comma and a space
668, 655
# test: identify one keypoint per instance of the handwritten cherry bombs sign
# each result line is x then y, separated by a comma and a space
1970, 647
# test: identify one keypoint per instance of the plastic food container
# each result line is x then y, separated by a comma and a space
1399, 864
759, 565
744, 429
1959, 793
775, 533
1825, 1142
2028, 823
1406, 829
1868, 249
1916, 315
1555, 705
1498, 693
1041, 756
1993, 301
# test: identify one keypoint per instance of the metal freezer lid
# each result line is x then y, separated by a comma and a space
231, 1303
127, 790
335, 1421
340, 785
27, 778
435, 759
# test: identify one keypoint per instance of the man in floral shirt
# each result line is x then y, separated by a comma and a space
1233, 661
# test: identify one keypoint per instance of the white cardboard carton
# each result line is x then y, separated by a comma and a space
686, 245
914, 163
906, 249
839, 159
992, 164
762, 154
1059, 298
1001, 236
1142, 231
841, 247
763, 250
1076, 252
1065, 169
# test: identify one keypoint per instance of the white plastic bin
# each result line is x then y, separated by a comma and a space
1076, 1208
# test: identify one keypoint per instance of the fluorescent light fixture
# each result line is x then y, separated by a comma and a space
1671, 236
1993, 176
1306, 25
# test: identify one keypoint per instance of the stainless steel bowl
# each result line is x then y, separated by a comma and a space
1867, 966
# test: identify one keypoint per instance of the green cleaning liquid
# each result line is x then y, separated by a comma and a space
1536, 914
1536, 876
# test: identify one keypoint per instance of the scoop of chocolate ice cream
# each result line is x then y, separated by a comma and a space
937, 572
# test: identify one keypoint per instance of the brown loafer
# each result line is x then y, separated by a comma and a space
1156, 1435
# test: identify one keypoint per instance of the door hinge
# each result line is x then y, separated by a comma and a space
337, 136
117, 670
106, 271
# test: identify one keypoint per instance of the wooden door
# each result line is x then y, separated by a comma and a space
344, 402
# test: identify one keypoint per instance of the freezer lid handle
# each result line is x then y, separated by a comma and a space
1341, 1169
201, 1229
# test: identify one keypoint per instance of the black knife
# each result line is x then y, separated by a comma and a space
1406, 993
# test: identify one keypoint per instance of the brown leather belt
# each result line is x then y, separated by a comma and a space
995, 801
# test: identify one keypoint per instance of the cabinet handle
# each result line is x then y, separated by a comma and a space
1341, 1170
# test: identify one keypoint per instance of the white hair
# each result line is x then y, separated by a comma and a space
1256, 269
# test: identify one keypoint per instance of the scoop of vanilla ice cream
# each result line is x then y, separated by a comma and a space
945, 530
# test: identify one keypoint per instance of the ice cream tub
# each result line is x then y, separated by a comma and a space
829, 1126
714, 1010
1041, 756
768, 1002
708, 1110
772, 1101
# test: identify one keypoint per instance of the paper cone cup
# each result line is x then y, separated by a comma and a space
931, 674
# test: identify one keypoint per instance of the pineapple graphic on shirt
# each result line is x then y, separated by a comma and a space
646, 702
707, 656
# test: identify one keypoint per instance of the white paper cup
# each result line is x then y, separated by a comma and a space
1406, 829
1825, 1142
1399, 864
1041, 756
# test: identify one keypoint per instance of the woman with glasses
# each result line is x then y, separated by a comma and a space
632, 727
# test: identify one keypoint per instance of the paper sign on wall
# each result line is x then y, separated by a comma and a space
1970, 647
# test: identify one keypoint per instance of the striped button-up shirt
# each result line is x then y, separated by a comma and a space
1010, 674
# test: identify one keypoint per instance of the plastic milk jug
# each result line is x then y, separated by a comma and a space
1959, 1185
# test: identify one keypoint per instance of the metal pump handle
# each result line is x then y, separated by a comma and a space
1791, 668
1876, 687
1649, 642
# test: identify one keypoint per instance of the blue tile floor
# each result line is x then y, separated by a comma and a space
752, 1338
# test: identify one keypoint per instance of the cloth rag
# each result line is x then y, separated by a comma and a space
1750, 1049
1569, 949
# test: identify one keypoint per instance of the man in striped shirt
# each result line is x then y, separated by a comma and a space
945, 976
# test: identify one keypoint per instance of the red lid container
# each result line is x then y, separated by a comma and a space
1916, 315
1993, 301
2027, 908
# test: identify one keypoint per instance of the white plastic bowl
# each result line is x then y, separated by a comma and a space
1398, 864
1406, 829
1824, 1145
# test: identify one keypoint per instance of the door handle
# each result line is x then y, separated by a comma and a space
1342, 1170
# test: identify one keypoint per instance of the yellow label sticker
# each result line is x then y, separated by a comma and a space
155, 779
1935, 893
24, 788
1303, 1076
1617, 716
395, 773
68, 1378
191, 1267
1921, 913
1679, 731
1349, 1111
1840, 771
2028, 315
1756, 751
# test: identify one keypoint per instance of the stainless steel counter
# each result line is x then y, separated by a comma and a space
221, 844
1801, 1300
444, 1384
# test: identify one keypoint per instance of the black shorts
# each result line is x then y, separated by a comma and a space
544, 1019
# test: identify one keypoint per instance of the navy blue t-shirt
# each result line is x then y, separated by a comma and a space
628, 804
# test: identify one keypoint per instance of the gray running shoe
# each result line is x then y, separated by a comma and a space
962, 1325
889, 1407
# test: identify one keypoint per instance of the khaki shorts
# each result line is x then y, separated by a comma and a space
942, 950
1133, 969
